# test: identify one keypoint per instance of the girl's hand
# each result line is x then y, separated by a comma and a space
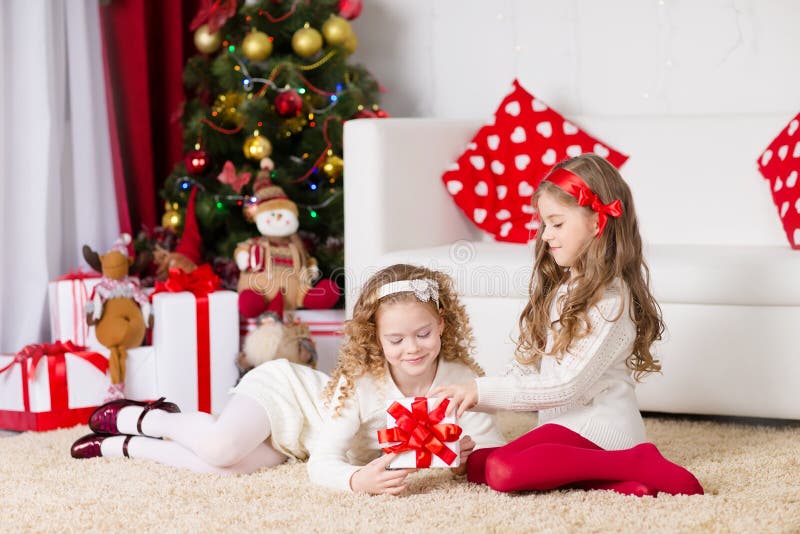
467, 446
375, 478
462, 396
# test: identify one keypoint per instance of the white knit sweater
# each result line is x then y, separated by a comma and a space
591, 390
350, 440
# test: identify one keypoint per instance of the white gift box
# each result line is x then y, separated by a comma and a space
67, 301
61, 391
421, 417
193, 378
141, 378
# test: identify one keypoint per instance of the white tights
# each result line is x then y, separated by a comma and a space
233, 443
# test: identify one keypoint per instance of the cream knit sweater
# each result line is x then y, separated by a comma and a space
350, 440
591, 391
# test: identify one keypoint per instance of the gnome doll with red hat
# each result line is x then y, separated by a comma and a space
276, 272
188, 254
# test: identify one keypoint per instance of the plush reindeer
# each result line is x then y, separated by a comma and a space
118, 308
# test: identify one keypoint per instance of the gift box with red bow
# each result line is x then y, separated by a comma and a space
418, 430
68, 296
195, 340
51, 385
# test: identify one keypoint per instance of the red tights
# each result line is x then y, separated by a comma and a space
552, 456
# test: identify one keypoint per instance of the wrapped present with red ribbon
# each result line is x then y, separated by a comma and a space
51, 385
418, 430
68, 296
195, 339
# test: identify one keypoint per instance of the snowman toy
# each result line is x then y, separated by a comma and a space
276, 272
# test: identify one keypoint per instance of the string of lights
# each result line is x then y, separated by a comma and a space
185, 183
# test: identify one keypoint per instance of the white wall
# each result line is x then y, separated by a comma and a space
455, 58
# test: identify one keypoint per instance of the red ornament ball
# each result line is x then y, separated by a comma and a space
365, 114
288, 104
381, 114
197, 161
350, 9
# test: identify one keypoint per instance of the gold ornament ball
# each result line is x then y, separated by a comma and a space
332, 167
306, 42
257, 147
257, 46
351, 43
172, 220
336, 30
226, 107
206, 42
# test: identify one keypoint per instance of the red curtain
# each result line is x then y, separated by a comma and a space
145, 46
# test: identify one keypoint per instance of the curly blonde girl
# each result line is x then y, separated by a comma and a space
361, 351
616, 253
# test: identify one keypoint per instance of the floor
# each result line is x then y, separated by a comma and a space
729, 419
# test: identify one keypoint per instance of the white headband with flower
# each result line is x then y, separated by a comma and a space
424, 289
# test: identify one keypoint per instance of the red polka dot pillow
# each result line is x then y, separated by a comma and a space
494, 179
780, 164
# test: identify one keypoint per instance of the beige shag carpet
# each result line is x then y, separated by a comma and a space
751, 473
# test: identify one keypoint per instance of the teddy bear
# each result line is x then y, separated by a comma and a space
276, 272
274, 339
117, 307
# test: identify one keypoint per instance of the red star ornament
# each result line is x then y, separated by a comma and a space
229, 176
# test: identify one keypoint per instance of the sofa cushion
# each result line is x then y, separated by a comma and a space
780, 165
493, 180
689, 274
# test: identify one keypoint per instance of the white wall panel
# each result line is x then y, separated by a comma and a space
394, 42
455, 58
469, 45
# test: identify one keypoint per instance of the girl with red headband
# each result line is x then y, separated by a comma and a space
585, 340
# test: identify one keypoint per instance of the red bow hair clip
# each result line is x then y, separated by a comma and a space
573, 185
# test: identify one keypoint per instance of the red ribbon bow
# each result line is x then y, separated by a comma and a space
79, 275
573, 185
33, 353
420, 431
200, 282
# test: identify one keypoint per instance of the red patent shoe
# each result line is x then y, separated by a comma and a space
89, 446
104, 419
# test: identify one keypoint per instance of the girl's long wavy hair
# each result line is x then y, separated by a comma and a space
361, 351
617, 253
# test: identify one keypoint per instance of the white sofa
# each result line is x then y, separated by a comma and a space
727, 281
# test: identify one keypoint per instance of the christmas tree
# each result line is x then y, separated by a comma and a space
270, 90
